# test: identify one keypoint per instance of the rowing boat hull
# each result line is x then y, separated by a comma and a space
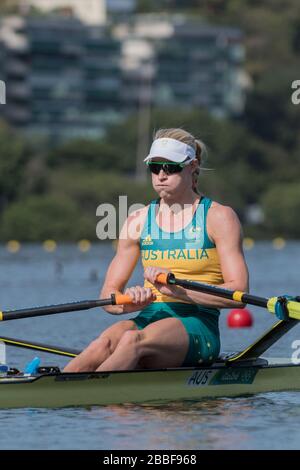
87, 389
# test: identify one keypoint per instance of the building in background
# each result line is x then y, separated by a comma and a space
120, 7
189, 64
63, 77
91, 12
14, 70
66, 78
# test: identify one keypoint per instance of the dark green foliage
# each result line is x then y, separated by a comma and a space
14, 156
281, 204
54, 193
39, 218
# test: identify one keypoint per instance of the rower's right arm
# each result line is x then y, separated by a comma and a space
124, 262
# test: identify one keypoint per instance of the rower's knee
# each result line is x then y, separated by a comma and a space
131, 339
101, 344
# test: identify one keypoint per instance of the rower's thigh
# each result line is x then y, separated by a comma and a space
116, 331
164, 343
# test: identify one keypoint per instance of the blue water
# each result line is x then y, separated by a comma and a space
33, 277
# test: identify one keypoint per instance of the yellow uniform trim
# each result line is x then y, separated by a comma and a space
1, 316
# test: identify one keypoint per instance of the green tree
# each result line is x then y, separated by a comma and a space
81, 153
270, 113
14, 156
281, 205
41, 217
89, 189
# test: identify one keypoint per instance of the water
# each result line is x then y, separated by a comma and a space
33, 277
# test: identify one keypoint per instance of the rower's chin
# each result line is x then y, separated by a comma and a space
164, 192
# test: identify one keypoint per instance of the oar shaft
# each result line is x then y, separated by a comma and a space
115, 299
292, 306
221, 292
52, 309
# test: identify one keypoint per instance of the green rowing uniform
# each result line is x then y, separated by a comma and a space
189, 254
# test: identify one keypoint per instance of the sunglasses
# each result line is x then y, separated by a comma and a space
168, 168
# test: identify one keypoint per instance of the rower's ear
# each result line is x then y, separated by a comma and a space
194, 165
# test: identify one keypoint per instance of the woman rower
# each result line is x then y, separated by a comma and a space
182, 232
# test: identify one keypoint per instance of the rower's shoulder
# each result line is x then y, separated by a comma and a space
221, 216
218, 210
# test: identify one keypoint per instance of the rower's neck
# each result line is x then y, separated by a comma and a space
182, 204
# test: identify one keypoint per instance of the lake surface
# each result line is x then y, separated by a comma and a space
33, 277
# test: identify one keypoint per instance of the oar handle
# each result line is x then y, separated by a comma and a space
121, 299
165, 278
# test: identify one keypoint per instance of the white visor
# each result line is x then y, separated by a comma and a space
172, 150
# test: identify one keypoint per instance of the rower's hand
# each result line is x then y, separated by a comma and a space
141, 296
151, 273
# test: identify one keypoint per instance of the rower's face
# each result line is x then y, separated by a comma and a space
167, 185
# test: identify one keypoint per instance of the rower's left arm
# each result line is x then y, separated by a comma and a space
224, 229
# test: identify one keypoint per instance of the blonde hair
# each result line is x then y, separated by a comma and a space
189, 139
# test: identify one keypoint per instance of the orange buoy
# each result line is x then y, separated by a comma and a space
239, 318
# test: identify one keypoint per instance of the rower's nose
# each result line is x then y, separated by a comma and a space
162, 175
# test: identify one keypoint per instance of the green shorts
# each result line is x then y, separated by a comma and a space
201, 324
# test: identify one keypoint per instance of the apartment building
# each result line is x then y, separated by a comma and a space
183, 63
63, 77
66, 78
